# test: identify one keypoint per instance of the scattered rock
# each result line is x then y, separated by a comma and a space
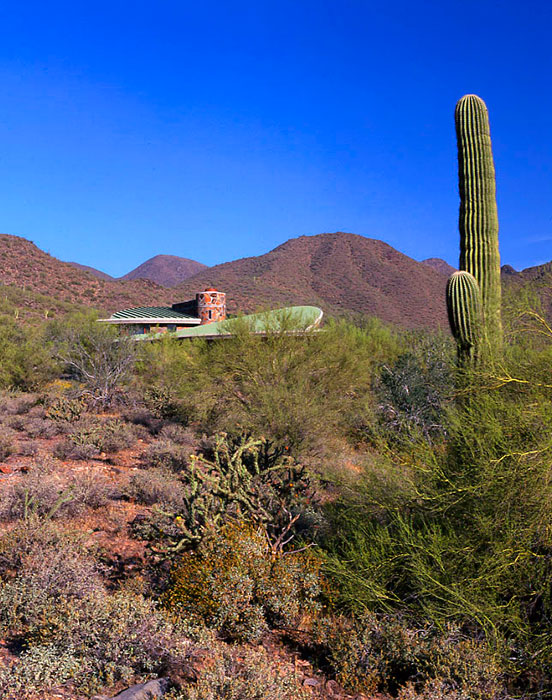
181, 672
144, 691
332, 688
311, 682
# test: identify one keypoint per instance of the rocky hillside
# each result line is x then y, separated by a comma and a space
337, 271
166, 270
440, 265
97, 273
28, 268
340, 272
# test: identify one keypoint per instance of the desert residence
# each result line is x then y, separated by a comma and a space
205, 316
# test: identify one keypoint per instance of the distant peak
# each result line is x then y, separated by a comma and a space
166, 270
440, 265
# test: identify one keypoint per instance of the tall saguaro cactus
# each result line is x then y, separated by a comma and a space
478, 221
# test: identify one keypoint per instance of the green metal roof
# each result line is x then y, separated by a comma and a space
143, 313
292, 319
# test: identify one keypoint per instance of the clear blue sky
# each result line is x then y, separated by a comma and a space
218, 130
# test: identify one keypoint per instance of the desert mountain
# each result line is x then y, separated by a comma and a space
97, 273
31, 269
340, 272
337, 271
166, 270
440, 265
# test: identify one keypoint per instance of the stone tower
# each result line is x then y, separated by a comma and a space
211, 306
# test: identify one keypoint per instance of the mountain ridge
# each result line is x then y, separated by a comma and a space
338, 271
342, 273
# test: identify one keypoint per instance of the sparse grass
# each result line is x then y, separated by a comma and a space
45, 491
91, 436
165, 454
6, 443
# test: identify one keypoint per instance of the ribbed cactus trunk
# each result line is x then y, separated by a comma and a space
478, 222
465, 317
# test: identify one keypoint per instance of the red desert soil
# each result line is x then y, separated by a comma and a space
107, 528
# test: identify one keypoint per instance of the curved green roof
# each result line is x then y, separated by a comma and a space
291, 319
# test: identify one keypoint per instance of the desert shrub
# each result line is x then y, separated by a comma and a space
44, 492
413, 392
65, 409
91, 436
174, 432
35, 427
28, 448
26, 360
15, 403
163, 402
38, 668
6, 443
438, 690
387, 652
293, 390
26, 538
52, 597
69, 449
49, 576
233, 583
165, 454
248, 674
93, 354
110, 637
116, 435
157, 486
141, 416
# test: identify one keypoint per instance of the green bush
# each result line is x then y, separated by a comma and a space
296, 391
464, 535
413, 392
235, 584
390, 653
27, 363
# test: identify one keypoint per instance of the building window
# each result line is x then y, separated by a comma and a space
171, 327
210, 313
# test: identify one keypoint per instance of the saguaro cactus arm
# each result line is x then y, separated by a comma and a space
465, 314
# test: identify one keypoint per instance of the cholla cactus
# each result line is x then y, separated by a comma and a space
245, 481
